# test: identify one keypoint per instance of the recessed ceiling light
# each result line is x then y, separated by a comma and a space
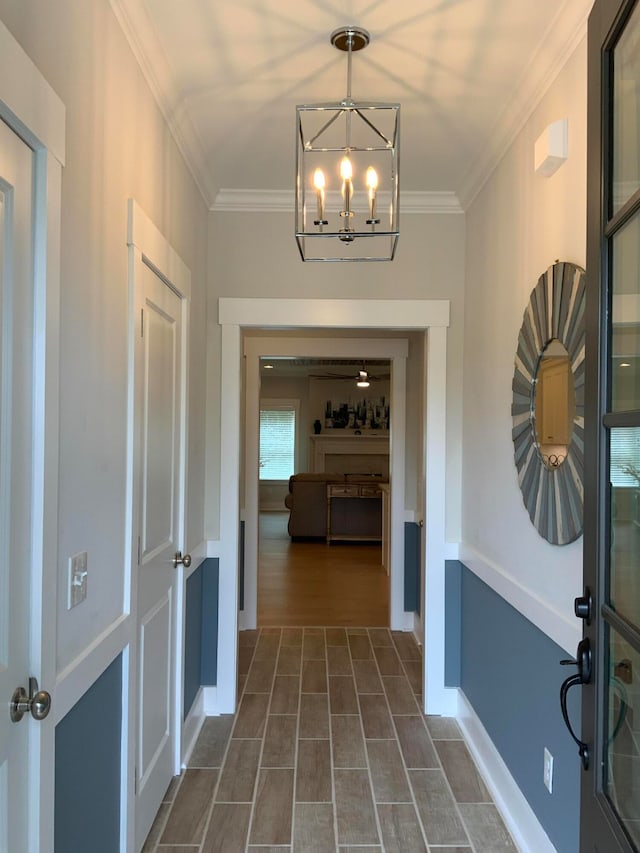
268, 366
624, 364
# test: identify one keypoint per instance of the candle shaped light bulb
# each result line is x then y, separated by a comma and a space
318, 182
372, 184
346, 173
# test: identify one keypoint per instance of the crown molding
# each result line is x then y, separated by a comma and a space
139, 31
282, 201
563, 35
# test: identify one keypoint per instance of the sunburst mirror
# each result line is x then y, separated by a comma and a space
548, 404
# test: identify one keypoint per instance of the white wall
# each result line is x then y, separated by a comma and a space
292, 388
517, 227
429, 265
416, 425
117, 147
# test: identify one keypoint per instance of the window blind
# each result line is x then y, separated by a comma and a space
277, 443
625, 457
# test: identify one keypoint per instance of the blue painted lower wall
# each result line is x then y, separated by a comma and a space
201, 630
452, 622
412, 566
241, 566
210, 588
87, 769
192, 638
509, 671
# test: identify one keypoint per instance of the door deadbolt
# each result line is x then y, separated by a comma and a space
179, 560
583, 606
36, 702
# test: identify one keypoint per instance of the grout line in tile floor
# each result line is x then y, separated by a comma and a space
364, 739
407, 824
334, 821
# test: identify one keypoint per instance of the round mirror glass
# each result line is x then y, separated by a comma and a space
554, 404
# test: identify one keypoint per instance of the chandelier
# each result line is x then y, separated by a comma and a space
346, 206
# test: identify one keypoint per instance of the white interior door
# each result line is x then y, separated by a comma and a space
158, 386
16, 468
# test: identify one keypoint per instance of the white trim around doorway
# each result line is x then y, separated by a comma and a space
31, 108
234, 315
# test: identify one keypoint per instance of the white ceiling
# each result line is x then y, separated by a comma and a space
229, 73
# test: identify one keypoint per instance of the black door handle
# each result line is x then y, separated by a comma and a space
584, 662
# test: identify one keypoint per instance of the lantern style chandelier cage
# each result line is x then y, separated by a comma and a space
347, 173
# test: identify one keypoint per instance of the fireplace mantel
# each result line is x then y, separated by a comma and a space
346, 443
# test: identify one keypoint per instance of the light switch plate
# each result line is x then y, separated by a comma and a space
77, 585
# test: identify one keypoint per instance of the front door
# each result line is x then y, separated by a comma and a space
158, 399
610, 803
16, 469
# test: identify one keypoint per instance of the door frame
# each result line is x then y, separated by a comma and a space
432, 315
147, 246
395, 349
600, 827
30, 107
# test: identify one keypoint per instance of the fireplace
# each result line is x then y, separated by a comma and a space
343, 452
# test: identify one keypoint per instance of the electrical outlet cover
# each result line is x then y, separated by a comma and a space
548, 770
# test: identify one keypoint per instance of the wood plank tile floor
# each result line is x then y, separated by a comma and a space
329, 753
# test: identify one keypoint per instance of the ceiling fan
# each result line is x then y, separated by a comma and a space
362, 378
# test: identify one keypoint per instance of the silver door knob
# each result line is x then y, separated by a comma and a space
36, 702
179, 560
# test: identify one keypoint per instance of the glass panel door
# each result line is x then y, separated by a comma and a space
610, 805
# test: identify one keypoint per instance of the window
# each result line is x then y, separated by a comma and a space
625, 457
277, 440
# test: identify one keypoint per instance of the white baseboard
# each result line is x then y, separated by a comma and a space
244, 622
204, 705
192, 725
405, 622
210, 701
525, 828
449, 702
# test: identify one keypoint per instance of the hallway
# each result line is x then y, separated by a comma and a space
329, 752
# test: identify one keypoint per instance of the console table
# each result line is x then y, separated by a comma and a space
350, 519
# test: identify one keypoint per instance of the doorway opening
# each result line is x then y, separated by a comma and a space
348, 345
323, 478
243, 319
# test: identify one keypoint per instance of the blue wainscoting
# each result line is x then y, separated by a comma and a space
452, 622
412, 561
87, 768
510, 673
210, 587
201, 630
241, 566
192, 638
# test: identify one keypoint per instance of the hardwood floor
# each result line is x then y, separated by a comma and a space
311, 583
